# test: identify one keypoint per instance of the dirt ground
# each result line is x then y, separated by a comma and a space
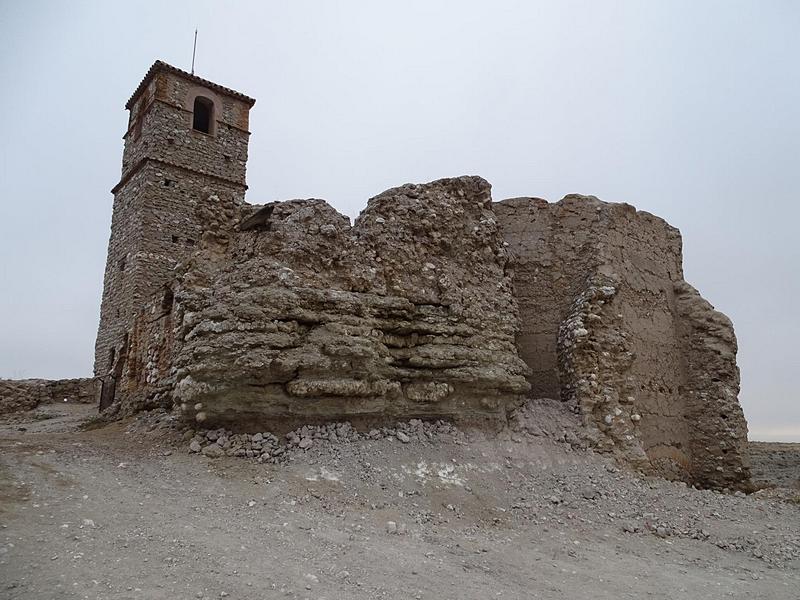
126, 512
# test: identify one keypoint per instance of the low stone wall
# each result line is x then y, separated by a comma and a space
25, 394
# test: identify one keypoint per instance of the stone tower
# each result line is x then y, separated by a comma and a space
186, 146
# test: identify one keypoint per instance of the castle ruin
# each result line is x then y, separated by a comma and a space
437, 302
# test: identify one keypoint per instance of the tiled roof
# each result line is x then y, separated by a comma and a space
160, 65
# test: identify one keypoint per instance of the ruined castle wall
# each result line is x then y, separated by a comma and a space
563, 254
553, 250
122, 295
596, 284
299, 316
435, 303
643, 255
25, 394
718, 427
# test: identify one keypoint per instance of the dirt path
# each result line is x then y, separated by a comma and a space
119, 513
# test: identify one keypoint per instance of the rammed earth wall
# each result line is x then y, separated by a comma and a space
609, 325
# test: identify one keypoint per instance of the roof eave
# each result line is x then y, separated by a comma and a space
160, 66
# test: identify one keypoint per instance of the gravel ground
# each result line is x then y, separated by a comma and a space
776, 464
414, 511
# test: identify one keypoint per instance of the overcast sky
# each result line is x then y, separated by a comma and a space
689, 110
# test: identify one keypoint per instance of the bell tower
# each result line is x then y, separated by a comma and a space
186, 145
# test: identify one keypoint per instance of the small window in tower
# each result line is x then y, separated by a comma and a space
121, 264
175, 239
189, 242
203, 114
168, 300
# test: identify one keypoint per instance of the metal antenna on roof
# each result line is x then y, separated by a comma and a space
194, 49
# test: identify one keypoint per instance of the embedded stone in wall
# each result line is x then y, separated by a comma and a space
595, 359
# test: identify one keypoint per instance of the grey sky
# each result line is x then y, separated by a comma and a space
689, 110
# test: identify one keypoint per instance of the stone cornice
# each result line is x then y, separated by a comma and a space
148, 159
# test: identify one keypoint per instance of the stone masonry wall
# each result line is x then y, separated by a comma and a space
25, 394
163, 131
169, 171
147, 375
121, 297
158, 220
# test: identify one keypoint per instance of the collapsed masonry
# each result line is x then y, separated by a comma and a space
435, 303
